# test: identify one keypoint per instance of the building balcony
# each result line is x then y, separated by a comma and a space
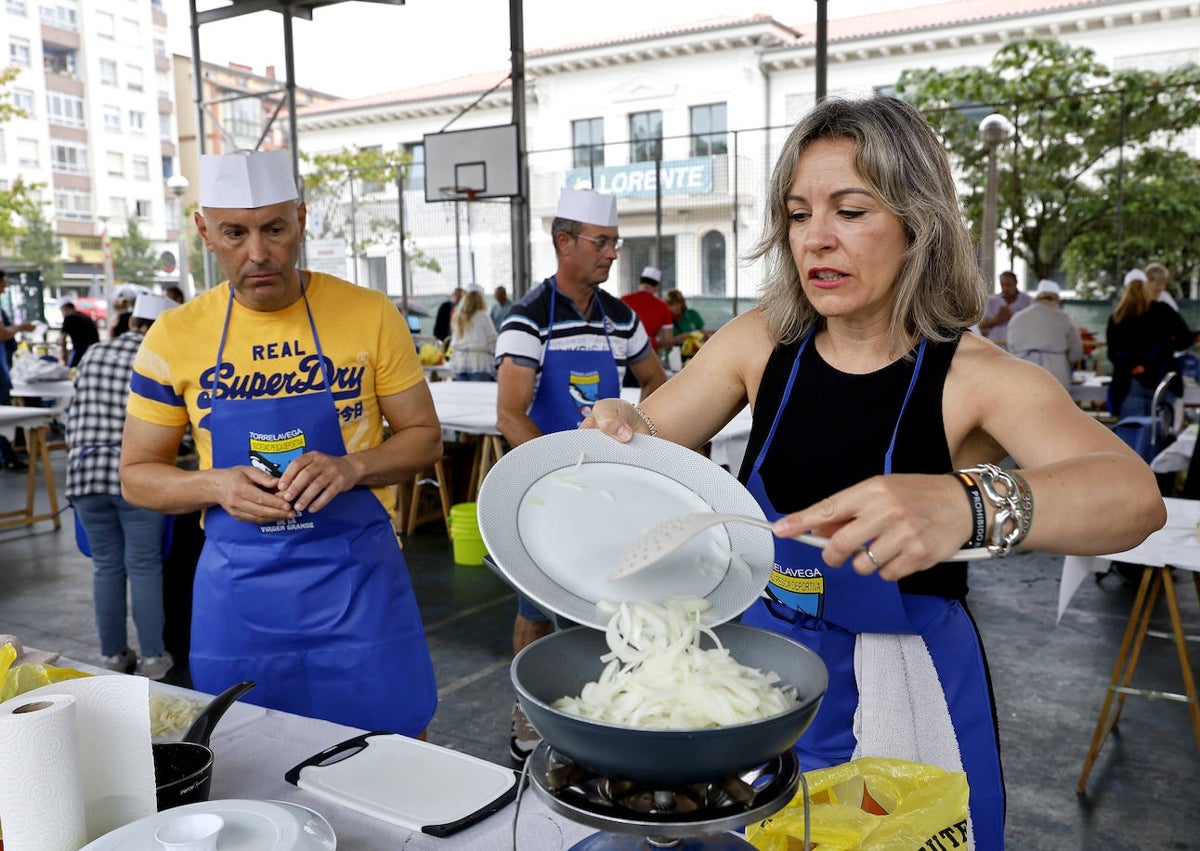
67, 84
165, 106
159, 18
167, 148
162, 62
68, 133
59, 37
66, 180
71, 227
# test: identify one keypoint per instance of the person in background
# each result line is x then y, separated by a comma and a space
1157, 278
688, 324
653, 312
879, 424
1001, 308
175, 294
1143, 336
123, 308
1044, 334
473, 342
501, 308
563, 347
79, 332
8, 336
441, 323
286, 377
126, 541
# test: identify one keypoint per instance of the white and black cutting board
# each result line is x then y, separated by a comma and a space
406, 782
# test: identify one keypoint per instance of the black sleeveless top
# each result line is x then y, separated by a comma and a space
835, 433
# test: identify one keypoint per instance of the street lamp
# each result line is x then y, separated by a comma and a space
994, 130
178, 184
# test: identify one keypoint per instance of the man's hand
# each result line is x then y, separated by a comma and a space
311, 481
251, 495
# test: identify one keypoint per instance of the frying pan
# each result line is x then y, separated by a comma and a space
183, 770
561, 663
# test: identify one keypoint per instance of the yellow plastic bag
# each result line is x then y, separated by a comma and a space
18, 679
873, 804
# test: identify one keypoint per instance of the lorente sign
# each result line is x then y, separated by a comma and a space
639, 180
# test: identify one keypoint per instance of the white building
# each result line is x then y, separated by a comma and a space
100, 133
704, 95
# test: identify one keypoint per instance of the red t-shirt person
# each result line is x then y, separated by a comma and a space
650, 309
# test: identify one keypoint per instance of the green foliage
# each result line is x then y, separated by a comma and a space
17, 203
344, 193
134, 259
39, 247
1073, 117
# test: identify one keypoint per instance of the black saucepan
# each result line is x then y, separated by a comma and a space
183, 770
560, 664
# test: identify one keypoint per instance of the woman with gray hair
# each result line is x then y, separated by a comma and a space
878, 422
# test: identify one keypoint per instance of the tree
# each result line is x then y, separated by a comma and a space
39, 247
134, 260
1074, 119
17, 203
339, 194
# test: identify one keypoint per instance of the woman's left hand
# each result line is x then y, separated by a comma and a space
895, 525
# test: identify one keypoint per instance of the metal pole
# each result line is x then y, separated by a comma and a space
519, 206
289, 62
734, 220
184, 281
403, 250
987, 235
822, 46
353, 228
211, 278
658, 211
457, 248
1119, 224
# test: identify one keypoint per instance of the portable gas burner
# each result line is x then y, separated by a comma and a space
686, 817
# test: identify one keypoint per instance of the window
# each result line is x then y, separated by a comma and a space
415, 177
114, 161
243, 120
108, 72
377, 273
164, 126
645, 136
3, 148
66, 110
372, 187
112, 119
587, 140
140, 167
712, 263
61, 14
131, 32
105, 27
144, 209
168, 167
160, 47
117, 210
133, 78
68, 157
164, 85
22, 99
15, 7
18, 51
28, 153
137, 121
73, 205
708, 130
59, 60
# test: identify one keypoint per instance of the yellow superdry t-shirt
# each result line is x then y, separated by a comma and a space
273, 355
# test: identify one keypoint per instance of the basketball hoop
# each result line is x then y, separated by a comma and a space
458, 193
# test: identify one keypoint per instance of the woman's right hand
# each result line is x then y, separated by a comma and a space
615, 417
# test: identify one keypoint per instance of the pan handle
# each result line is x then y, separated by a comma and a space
203, 726
342, 750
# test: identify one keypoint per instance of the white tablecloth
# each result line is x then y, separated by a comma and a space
470, 407
13, 417
44, 389
1177, 544
1089, 387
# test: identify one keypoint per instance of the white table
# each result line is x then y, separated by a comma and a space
1089, 387
1176, 545
60, 391
36, 422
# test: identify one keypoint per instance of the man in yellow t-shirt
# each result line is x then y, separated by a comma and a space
285, 377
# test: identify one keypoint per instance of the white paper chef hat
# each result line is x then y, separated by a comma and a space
587, 206
246, 180
474, 288
652, 274
1048, 286
149, 306
1134, 275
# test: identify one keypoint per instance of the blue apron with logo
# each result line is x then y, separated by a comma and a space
572, 382
825, 608
318, 610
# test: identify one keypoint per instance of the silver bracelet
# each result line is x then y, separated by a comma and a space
1012, 502
649, 422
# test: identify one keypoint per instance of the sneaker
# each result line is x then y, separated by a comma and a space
124, 662
155, 667
523, 739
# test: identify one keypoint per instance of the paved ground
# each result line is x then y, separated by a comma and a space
1049, 679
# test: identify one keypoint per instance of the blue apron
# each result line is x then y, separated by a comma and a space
318, 610
572, 382
826, 608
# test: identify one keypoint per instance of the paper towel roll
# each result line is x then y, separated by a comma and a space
116, 763
41, 793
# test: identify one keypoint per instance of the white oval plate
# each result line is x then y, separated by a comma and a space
249, 826
555, 527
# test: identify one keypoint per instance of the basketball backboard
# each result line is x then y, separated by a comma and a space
468, 165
